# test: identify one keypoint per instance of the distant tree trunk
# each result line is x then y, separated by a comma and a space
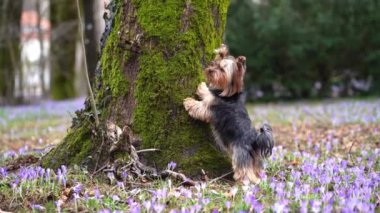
152, 58
43, 59
90, 37
9, 48
64, 36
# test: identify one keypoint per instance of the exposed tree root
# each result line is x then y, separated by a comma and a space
122, 141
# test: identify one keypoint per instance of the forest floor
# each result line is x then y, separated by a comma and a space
326, 158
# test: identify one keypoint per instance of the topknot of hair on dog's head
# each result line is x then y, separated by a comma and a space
221, 52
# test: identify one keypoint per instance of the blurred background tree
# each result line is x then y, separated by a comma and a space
66, 53
40, 54
63, 46
306, 48
9, 48
295, 49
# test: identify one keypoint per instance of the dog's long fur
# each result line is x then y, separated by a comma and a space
222, 105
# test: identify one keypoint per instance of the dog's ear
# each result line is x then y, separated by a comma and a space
238, 74
240, 61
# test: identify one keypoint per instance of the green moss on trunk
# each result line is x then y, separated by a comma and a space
169, 72
113, 58
76, 148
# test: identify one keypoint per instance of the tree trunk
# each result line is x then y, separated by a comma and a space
90, 36
152, 58
64, 36
9, 48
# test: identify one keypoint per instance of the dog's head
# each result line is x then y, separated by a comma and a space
226, 73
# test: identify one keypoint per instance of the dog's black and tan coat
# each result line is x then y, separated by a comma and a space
221, 103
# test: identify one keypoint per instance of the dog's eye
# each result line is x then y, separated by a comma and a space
210, 70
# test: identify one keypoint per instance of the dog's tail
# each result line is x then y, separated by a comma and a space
264, 140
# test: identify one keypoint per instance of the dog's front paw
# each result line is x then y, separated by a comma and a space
202, 90
189, 103
241, 59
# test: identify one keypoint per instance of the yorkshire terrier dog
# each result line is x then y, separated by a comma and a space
221, 103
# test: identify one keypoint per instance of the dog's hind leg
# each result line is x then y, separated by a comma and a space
245, 165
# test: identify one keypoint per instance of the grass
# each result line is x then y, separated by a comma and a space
320, 163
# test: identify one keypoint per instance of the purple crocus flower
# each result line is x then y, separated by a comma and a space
280, 206
343, 164
134, 207
297, 192
249, 199
47, 175
78, 188
85, 196
215, 210
58, 203
253, 202
327, 197
115, 198
124, 175
40, 172
37, 207
64, 170
120, 184
158, 207
328, 147
61, 177
303, 206
76, 195
186, 193
327, 208
315, 205
10, 154
195, 208
147, 205
296, 175
171, 165
177, 194
280, 189
3, 172
366, 207
97, 194
228, 204
162, 193
206, 201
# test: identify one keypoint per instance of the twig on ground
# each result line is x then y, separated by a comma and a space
179, 176
147, 150
218, 178
349, 153
100, 169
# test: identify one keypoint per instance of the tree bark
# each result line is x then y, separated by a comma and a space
153, 54
64, 36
